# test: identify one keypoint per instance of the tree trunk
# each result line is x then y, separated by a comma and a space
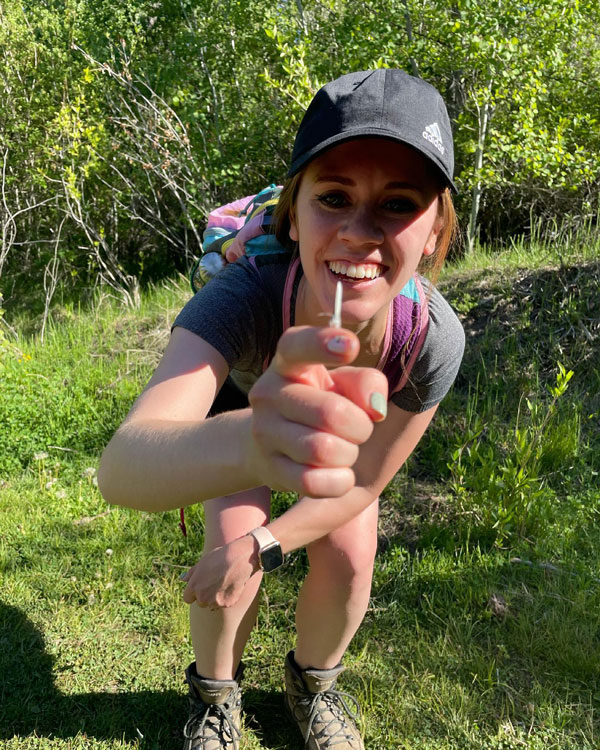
484, 114
409, 34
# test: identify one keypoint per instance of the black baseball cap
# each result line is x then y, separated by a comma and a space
386, 103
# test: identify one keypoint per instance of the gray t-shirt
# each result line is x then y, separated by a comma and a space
239, 312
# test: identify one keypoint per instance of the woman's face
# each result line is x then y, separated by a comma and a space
366, 212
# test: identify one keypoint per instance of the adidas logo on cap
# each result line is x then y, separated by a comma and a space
433, 135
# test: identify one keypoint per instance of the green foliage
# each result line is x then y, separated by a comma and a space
523, 440
508, 483
123, 123
64, 396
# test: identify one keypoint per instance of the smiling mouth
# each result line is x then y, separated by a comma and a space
352, 271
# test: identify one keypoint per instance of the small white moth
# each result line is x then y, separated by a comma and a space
336, 319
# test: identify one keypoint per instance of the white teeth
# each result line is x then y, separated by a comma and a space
366, 271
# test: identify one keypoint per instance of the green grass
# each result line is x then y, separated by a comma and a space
483, 629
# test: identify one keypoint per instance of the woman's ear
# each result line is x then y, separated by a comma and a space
431, 243
293, 228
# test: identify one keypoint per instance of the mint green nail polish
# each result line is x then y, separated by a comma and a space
379, 404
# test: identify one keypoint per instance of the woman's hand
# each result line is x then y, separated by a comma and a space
309, 421
219, 577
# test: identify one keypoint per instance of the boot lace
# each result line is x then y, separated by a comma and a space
210, 722
336, 702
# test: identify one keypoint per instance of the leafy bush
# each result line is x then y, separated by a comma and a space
506, 481
122, 123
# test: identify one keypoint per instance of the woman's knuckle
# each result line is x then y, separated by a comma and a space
322, 447
353, 451
285, 346
260, 431
365, 429
334, 413
258, 393
309, 484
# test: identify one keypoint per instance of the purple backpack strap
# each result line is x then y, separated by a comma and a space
410, 320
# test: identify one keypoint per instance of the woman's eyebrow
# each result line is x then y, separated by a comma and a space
402, 186
342, 180
335, 178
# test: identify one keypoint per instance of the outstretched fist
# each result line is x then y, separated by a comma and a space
309, 420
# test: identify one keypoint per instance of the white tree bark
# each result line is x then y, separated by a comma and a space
483, 121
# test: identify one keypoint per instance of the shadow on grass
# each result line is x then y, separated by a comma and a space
266, 716
30, 703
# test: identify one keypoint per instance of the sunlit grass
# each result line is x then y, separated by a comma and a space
482, 633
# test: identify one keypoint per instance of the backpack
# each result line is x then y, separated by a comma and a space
242, 227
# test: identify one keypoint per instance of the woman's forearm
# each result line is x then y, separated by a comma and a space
157, 465
312, 518
380, 458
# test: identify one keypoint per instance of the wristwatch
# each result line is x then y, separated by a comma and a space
270, 554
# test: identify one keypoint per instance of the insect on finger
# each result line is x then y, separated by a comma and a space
336, 319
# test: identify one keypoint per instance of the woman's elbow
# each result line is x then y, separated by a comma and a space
113, 479
118, 486
107, 484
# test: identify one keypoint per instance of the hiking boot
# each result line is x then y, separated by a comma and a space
215, 712
322, 713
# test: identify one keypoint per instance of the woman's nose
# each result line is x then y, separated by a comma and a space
361, 227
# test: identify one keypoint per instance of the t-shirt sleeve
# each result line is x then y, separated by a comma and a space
235, 313
438, 362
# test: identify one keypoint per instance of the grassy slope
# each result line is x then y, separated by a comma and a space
483, 627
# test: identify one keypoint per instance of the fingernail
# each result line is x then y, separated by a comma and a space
338, 345
379, 404
183, 575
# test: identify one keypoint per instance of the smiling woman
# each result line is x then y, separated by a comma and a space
256, 391
371, 207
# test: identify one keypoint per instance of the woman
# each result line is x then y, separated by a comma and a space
334, 415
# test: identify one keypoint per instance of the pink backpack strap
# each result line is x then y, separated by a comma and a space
286, 305
286, 302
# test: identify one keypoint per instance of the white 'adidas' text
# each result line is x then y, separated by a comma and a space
433, 135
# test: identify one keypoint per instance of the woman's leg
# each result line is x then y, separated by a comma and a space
219, 636
335, 595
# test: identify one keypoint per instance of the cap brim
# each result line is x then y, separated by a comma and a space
350, 135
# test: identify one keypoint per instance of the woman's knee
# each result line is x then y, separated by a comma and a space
228, 518
346, 555
343, 566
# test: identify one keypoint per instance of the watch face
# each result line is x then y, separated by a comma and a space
271, 557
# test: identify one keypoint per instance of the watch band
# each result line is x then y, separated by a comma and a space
263, 536
270, 554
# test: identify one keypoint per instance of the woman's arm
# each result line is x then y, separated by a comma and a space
390, 445
220, 576
301, 434
161, 457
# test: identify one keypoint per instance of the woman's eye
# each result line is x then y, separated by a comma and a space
400, 205
333, 200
